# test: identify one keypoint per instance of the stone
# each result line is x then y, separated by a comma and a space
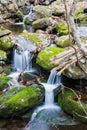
63, 41
44, 57
42, 23
71, 104
16, 101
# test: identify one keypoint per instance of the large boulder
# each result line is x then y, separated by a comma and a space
44, 57
17, 101
75, 72
69, 101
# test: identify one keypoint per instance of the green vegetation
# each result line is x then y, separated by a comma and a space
32, 37
44, 57
20, 100
69, 102
3, 82
6, 43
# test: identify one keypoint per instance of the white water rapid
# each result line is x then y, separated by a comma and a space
22, 60
53, 82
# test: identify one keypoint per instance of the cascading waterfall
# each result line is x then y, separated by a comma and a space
22, 58
53, 82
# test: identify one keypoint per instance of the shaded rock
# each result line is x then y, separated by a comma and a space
20, 101
75, 72
69, 102
44, 57
43, 23
63, 41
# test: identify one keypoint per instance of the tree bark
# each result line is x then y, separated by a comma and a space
74, 30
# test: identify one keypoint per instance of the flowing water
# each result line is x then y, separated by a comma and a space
49, 114
22, 59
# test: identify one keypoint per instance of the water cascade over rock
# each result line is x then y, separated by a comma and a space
22, 59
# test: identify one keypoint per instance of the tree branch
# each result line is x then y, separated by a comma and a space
75, 30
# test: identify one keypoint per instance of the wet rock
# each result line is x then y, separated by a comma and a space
38, 39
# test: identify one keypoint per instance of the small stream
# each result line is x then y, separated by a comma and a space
49, 116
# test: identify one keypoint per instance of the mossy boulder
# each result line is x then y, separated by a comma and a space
6, 43
63, 41
37, 38
3, 57
4, 82
61, 27
19, 102
44, 57
69, 102
42, 23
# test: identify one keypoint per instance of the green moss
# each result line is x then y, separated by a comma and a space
44, 57
32, 37
79, 11
68, 102
3, 82
3, 55
63, 41
6, 43
62, 28
81, 18
42, 23
18, 102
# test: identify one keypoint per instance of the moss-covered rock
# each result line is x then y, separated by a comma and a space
6, 43
63, 41
42, 23
3, 82
3, 57
68, 101
62, 28
21, 101
42, 11
80, 16
44, 57
37, 38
